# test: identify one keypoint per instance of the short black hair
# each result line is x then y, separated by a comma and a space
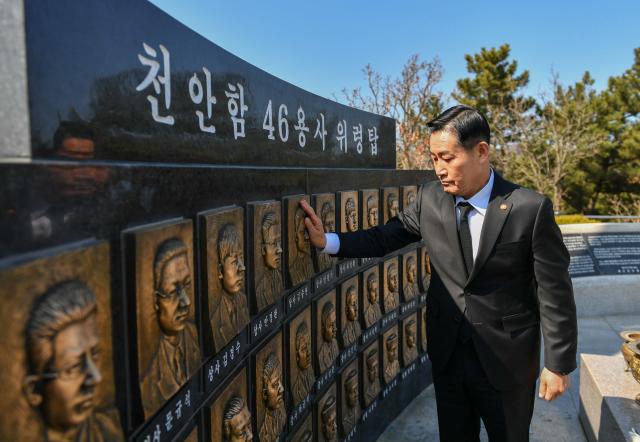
469, 125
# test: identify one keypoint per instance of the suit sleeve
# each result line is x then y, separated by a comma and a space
555, 292
397, 233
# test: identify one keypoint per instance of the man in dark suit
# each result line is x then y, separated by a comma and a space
499, 276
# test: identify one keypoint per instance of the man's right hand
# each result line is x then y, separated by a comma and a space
314, 226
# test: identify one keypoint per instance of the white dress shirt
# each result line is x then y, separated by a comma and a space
479, 202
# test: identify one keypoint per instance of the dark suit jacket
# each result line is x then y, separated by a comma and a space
519, 283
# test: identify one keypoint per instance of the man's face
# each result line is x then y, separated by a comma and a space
460, 171
392, 274
352, 304
392, 350
393, 208
303, 355
173, 303
69, 399
372, 216
372, 369
239, 429
329, 427
372, 292
411, 336
411, 271
352, 220
272, 248
302, 237
273, 390
233, 272
352, 392
329, 222
329, 329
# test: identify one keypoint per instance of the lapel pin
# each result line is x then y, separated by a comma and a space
503, 206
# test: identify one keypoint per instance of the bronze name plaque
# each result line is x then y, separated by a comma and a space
230, 413
269, 388
370, 208
390, 364
409, 328
349, 397
224, 273
371, 377
57, 365
326, 331
390, 203
325, 207
326, 416
350, 329
266, 253
168, 349
391, 297
410, 288
299, 264
301, 367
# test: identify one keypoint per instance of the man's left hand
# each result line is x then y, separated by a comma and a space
552, 384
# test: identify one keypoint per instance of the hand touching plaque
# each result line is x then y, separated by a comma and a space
299, 263
325, 208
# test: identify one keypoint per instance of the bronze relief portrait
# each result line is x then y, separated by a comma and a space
304, 433
371, 299
370, 208
425, 269
299, 263
349, 397
168, 349
423, 329
350, 329
301, 371
409, 195
349, 219
268, 282
371, 377
57, 369
410, 276
325, 207
269, 390
390, 363
390, 203
225, 273
326, 331
409, 327
230, 413
326, 416
391, 297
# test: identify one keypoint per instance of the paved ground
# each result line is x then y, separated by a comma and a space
555, 421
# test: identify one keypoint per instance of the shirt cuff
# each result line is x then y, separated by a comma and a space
333, 244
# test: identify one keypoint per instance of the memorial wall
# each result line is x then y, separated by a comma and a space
157, 280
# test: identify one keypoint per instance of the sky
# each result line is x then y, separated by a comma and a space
322, 46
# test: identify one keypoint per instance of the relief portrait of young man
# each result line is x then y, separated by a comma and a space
327, 330
232, 313
269, 388
326, 420
301, 372
58, 384
168, 348
230, 414
371, 281
410, 277
299, 248
370, 208
325, 205
350, 318
269, 284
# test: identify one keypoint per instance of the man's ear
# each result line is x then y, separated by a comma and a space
30, 390
483, 149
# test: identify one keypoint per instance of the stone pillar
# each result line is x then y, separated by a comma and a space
14, 107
